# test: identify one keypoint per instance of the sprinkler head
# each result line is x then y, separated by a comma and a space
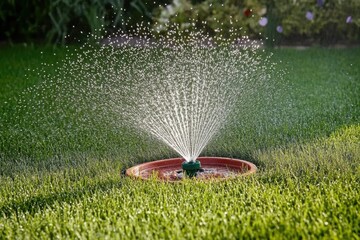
191, 168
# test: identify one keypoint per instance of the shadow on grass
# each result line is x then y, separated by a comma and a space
38, 203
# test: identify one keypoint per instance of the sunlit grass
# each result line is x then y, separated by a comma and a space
71, 186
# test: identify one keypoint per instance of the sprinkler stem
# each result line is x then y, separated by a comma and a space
191, 168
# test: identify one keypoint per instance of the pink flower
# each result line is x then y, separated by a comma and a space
309, 15
263, 21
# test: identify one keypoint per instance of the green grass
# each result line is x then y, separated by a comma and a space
65, 182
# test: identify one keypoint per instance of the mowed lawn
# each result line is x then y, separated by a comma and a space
61, 173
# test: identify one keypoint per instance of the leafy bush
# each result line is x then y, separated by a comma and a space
332, 20
54, 19
322, 20
92, 14
23, 19
210, 16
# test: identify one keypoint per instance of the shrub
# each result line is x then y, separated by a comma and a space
321, 21
330, 21
90, 15
212, 17
54, 19
23, 19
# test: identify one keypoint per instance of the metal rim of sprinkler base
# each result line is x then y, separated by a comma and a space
204, 168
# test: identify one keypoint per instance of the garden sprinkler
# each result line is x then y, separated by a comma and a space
191, 168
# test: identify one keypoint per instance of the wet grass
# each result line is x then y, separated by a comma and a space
59, 181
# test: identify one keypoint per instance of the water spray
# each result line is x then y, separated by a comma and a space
180, 91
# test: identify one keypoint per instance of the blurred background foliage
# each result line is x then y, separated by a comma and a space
284, 21
278, 21
53, 20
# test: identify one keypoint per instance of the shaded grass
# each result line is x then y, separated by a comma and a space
307, 149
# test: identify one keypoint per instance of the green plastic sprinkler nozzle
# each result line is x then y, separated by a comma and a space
191, 168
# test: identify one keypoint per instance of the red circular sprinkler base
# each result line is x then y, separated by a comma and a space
211, 168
